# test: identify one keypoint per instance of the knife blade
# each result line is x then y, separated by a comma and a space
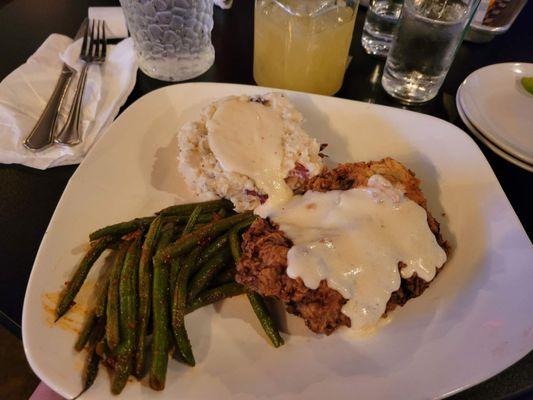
42, 134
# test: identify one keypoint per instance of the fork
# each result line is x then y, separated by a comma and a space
93, 51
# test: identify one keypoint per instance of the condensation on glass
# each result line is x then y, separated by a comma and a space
172, 37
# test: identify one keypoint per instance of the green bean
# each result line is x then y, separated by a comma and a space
92, 369
112, 307
90, 372
261, 311
95, 314
179, 305
207, 272
176, 262
257, 302
234, 242
128, 313
101, 300
225, 276
218, 244
97, 333
122, 228
161, 332
101, 348
165, 237
175, 266
186, 209
85, 332
145, 295
182, 219
66, 298
216, 294
93, 357
235, 246
210, 250
165, 240
193, 218
187, 242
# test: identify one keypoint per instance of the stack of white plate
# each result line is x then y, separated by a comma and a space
498, 110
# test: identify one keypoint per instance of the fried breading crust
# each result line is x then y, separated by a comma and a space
264, 262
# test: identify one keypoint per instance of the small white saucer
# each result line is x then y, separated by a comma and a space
495, 102
484, 140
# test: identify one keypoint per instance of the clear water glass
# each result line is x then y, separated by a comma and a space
381, 18
426, 40
172, 37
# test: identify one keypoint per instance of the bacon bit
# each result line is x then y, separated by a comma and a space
215, 217
322, 147
131, 325
66, 282
259, 99
262, 197
310, 206
299, 171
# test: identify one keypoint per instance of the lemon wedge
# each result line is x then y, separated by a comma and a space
527, 83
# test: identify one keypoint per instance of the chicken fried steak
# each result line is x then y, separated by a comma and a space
264, 262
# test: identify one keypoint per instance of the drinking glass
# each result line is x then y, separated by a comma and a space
426, 40
172, 37
381, 18
303, 45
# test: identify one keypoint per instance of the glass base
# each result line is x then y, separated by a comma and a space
409, 89
173, 69
375, 46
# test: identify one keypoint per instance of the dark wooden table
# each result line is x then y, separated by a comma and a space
28, 197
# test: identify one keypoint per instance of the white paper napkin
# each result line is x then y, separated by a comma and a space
25, 92
114, 20
225, 4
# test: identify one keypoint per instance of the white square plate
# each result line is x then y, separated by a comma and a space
475, 320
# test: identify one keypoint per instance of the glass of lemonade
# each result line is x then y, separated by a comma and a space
303, 45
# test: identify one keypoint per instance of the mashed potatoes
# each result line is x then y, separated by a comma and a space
211, 176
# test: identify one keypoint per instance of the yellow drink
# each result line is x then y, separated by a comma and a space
299, 50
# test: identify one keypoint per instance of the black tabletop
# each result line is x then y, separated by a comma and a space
28, 197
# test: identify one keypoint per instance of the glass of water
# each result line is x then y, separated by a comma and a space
381, 18
172, 37
427, 37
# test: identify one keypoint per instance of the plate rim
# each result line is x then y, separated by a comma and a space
489, 133
485, 140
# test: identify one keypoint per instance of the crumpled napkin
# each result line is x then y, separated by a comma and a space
224, 4
25, 92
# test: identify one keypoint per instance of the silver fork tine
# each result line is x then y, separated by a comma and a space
84, 44
91, 42
104, 43
98, 42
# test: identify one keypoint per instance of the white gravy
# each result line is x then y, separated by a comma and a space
355, 239
246, 138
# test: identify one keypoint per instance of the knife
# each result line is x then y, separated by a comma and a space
42, 134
